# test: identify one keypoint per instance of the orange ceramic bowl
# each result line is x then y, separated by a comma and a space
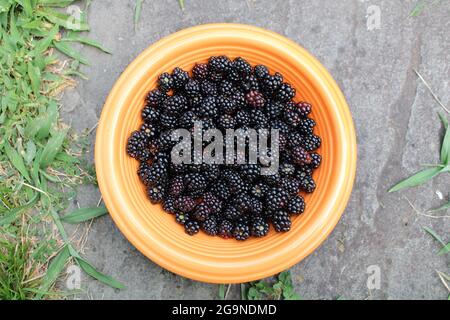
213, 259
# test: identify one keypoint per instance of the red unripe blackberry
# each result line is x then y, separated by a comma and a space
176, 186
255, 99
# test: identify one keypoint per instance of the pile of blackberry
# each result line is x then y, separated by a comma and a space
230, 201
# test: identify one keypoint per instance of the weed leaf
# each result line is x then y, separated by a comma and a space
137, 12
52, 148
434, 235
84, 214
443, 207
90, 270
70, 52
55, 267
55, 3
17, 161
73, 37
221, 291
417, 179
445, 249
445, 148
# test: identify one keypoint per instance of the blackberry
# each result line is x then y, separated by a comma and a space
136, 145
292, 116
271, 83
165, 82
156, 193
273, 109
179, 77
176, 186
175, 104
311, 142
250, 84
200, 71
241, 231
225, 87
168, 121
295, 139
261, 72
242, 202
192, 88
216, 76
185, 203
255, 99
316, 159
187, 119
212, 202
285, 92
296, 205
210, 226
212, 172
259, 190
235, 183
304, 108
241, 68
258, 119
148, 130
272, 179
225, 229
306, 126
195, 101
259, 227
202, 212
169, 205
255, 206
182, 217
286, 169
226, 122
150, 114
155, 98
191, 227
232, 213
220, 64
208, 88
250, 171
276, 198
221, 190
208, 108
239, 98
156, 174
195, 183
308, 184
300, 156
226, 104
281, 221
242, 118
291, 185
164, 141
280, 125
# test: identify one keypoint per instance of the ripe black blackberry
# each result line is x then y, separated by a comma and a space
311, 142
210, 226
182, 217
304, 108
308, 184
208, 108
286, 169
191, 227
150, 114
255, 206
225, 229
156, 174
272, 179
259, 190
195, 183
226, 122
187, 119
164, 141
221, 190
179, 77
282, 126
220, 64
155, 98
185, 203
250, 171
226, 104
242, 118
168, 121
306, 126
281, 221
255, 99
270, 83
192, 88
260, 71
292, 116
273, 109
156, 193
225, 87
276, 198
258, 119
291, 185
300, 156
202, 212
169, 205
250, 84
165, 82
200, 71
232, 213
137, 146
259, 227
296, 205
241, 231
176, 186
175, 104
208, 88
239, 98
316, 159
241, 68
285, 92
213, 203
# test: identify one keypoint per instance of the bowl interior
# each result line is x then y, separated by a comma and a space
212, 259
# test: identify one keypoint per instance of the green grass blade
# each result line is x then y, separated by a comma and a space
52, 148
445, 148
181, 3
55, 3
420, 6
243, 292
55, 268
137, 12
443, 207
12, 214
72, 37
84, 214
221, 291
70, 52
90, 270
17, 161
65, 20
35, 77
435, 235
445, 249
417, 179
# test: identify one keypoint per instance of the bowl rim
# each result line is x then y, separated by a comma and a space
116, 205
